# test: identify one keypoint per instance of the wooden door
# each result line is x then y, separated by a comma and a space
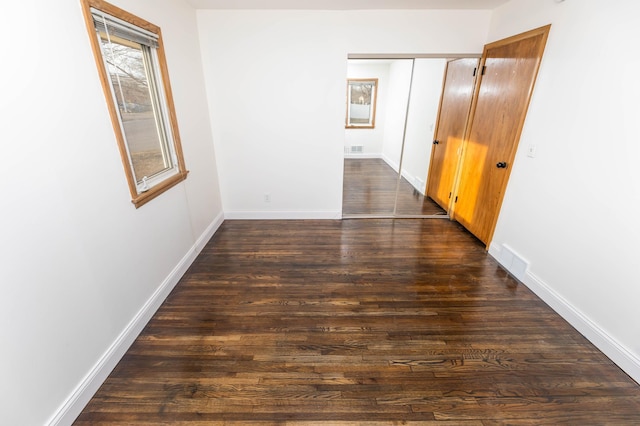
504, 89
455, 102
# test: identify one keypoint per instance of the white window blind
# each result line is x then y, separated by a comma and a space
119, 28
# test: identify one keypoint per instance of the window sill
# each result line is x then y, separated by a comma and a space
139, 200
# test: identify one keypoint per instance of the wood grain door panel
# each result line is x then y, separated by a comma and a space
455, 103
509, 68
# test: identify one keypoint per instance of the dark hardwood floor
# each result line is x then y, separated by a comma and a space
370, 186
358, 322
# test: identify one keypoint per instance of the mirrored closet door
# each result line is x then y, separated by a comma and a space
390, 122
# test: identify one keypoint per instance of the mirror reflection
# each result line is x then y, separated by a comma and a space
386, 166
361, 103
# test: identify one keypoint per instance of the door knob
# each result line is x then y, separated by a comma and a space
436, 142
501, 165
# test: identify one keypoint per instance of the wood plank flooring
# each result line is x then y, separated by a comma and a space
370, 322
369, 187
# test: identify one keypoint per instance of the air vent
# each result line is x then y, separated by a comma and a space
513, 262
357, 149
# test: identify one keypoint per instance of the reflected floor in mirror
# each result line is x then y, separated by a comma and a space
370, 189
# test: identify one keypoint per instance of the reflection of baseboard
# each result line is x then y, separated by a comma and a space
417, 183
618, 353
390, 163
363, 156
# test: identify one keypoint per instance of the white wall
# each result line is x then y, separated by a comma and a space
257, 64
79, 262
423, 112
572, 211
370, 139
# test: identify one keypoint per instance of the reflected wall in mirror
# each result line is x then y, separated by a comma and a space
361, 103
386, 167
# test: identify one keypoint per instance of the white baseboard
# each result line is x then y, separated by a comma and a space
208, 233
361, 156
282, 215
617, 352
405, 174
412, 181
614, 350
81, 395
395, 166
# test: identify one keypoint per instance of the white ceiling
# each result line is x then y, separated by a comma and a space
346, 4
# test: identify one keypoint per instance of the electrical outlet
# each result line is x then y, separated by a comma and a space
267, 197
531, 151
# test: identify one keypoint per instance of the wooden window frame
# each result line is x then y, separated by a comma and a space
374, 100
138, 198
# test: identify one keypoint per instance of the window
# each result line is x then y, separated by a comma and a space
131, 63
361, 103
